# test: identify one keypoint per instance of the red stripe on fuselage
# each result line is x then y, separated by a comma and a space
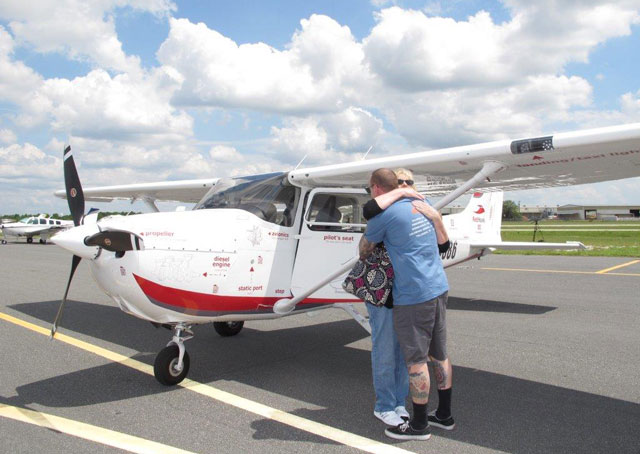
195, 302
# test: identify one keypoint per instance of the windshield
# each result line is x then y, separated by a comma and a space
270, 197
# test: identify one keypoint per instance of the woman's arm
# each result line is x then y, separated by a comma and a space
385, 200
376, 206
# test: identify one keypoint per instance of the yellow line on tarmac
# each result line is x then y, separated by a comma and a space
322, 430
559, 271
617, 266
88, 432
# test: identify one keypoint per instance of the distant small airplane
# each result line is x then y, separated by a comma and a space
34, 225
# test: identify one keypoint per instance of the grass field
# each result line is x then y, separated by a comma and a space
602, 238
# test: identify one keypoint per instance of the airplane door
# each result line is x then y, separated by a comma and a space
331, 228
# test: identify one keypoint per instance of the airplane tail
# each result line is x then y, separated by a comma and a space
481, 220
480, 223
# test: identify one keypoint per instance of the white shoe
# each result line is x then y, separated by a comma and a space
390, 418
402, 412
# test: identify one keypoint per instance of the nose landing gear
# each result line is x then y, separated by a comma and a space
172, 363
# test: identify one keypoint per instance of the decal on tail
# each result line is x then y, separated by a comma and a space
481, 218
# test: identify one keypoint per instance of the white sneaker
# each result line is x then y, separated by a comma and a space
402, 412
390, 418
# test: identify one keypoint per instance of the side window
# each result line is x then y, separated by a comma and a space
337, 212
58, 223
286, 201
43, 221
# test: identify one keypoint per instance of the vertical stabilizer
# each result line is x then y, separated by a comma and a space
480, 220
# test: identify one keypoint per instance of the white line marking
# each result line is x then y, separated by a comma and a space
316, 428
88, 431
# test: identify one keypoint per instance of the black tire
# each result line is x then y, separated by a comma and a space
29, 240
226, 329
163, 366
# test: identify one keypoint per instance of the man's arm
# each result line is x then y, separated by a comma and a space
431, 213
365, 247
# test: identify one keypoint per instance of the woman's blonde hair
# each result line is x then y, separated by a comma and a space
405, 174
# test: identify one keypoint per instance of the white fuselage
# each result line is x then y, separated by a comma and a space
228, 264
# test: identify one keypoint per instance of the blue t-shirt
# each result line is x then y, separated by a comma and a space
412, 244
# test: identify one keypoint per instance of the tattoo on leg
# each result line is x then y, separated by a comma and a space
442, 377
441, 374
419, 386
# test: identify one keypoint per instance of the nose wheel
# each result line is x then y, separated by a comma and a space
172, 363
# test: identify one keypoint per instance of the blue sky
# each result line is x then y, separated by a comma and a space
151, 90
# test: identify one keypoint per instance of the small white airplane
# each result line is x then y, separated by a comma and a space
32, 226
268, 246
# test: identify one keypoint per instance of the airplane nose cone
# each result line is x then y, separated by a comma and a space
73, 241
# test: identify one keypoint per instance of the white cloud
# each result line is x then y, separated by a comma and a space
83, 30
7, 136
25, 165
414, 52
352, 130
225, 154
321, 67
125, 107
328, 138
455, 117
17, 81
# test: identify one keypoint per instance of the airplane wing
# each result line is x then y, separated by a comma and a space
187, 191
562, 159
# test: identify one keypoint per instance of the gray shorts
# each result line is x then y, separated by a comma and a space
422, 329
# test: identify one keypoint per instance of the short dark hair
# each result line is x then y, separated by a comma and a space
384, 178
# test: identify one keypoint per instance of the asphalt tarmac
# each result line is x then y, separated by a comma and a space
545, 350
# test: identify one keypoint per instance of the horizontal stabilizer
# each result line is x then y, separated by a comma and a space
520, 245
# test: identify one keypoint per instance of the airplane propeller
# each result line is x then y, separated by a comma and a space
75, 198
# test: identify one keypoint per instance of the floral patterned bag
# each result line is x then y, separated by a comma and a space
371, 279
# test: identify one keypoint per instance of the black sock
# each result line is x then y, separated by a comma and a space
444, 404
419, 420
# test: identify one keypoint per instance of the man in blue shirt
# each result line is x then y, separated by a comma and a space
420, 295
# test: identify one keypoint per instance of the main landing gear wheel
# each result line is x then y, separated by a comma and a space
164, 367
226, 329
43, 241
29, 240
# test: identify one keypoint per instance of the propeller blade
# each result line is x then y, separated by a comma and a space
115, 241
74, 264
75, 196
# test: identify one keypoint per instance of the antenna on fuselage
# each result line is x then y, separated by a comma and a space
301, 161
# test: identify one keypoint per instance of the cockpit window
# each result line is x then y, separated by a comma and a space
270, 197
